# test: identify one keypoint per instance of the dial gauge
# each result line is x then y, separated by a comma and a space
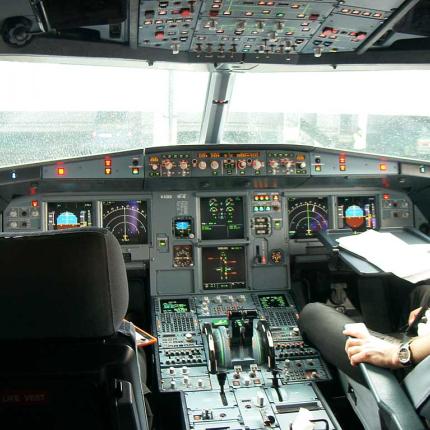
307, 216
127, 220
183, 256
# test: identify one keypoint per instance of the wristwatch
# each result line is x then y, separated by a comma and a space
405, 354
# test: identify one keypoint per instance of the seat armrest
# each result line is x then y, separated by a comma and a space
396, 411
417, 387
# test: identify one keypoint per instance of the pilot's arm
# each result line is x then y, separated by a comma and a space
365, 348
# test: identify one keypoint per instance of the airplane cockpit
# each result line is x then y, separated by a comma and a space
184, 185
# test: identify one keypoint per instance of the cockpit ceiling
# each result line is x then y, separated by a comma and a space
214, 31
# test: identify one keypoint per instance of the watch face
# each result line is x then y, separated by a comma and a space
404, 355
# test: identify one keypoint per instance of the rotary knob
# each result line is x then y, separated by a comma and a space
183, 164
214, 165
256, 164
274, 164
202, 165
154, 166
302, 165
168, 165
241, 164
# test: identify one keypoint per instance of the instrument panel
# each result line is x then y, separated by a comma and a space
307, 216
221, 28
64, 215
221, 218
127, 220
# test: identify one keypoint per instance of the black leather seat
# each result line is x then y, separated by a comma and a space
64, 363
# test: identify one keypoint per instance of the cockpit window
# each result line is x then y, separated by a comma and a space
382, 112
57, 111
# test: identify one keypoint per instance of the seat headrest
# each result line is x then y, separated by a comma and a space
62, 284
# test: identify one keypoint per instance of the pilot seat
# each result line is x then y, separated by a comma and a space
68, 359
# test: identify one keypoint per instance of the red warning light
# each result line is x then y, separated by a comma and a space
342, 159
61, 171
108, 162
35, 203
386, 197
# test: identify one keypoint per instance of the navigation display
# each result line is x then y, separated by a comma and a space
127, 220
223, 267
357, 213
222, 218
273, 301
64, 215
307, 216
174, 306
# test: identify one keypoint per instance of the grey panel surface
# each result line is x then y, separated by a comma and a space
269, 277
174, 281
121, 168
355, 165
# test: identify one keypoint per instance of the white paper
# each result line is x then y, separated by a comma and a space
302, 421
390, 254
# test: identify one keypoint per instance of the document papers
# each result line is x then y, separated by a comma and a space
390, 254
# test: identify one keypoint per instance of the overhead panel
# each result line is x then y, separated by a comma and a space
221, 28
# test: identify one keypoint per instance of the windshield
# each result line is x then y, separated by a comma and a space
58, 111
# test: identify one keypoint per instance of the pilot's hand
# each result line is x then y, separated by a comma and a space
365, 348
413, 315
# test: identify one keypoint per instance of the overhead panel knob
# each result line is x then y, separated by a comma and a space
257, 164
241, 164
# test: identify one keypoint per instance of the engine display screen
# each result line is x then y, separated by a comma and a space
127, 220
357, 213
276, 301
222, 218
223, 267
64, 215
174, 306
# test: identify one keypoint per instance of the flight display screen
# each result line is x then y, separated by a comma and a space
273, 301
182, 227
175, 306
127, 220
223, 267
64, 215
357, 213
222, 218
307, 216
